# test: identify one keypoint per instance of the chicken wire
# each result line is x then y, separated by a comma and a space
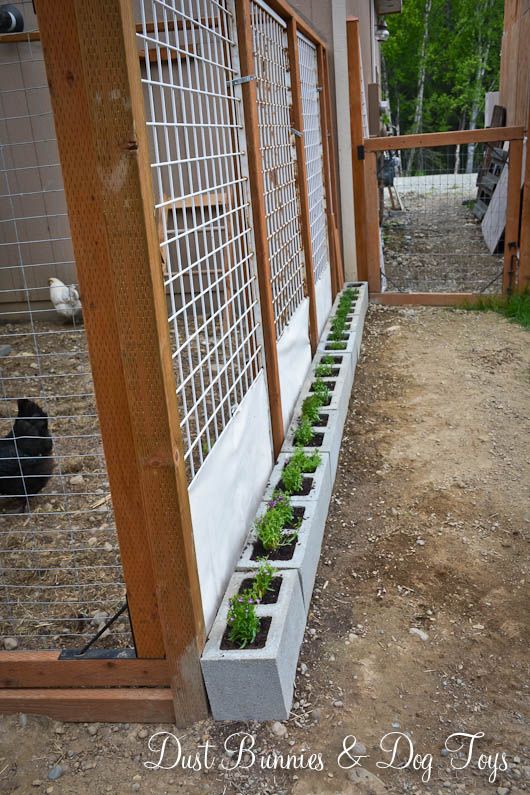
434, 231
278, 152
314, 156
61, 574
194, 115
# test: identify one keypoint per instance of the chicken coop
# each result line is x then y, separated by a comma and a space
171, 163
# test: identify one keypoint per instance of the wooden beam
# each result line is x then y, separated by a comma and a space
326, 164
444, 138
524, 249
15, 38
373, 242
93, 69
357, 141
423, 299
297, 120
513, 210
122, 705
257, 192
29, 669
338, 263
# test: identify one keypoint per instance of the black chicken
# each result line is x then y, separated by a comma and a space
26, 460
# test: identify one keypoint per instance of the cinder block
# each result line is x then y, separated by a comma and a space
321, 479
256, 684
307, 550
344, 363
332, 437
340, 396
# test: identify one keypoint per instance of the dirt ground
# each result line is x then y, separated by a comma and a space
427, 533
436, 245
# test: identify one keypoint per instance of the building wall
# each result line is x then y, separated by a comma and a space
515, 62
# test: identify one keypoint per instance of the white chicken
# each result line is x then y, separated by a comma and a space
65, 299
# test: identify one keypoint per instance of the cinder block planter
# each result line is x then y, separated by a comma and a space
352, 340
340, 389
256, 683
343, 367
328, 438
318, 487
306, 552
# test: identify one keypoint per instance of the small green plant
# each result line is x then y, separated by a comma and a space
325, 367
263, 579
515, 307
321, 390
304, 433
292, 478
270, 526
243, 623
311, 408
337, 346
306, 462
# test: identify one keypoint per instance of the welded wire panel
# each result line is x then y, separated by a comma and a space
60, 569
440, 207
279, 163
314, 157
194, 115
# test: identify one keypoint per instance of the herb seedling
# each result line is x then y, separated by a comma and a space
263, 579
311, 408
304, 433
292, 478
243, 623
321, 390
270, 526
306, 462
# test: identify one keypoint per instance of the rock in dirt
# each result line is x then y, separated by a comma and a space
420, 633
55, 773
76, 480
366, 783
278, 729
10, 644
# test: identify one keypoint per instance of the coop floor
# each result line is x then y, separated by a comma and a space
426, 530
435, 244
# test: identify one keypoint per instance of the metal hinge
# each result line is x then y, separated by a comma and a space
238, 81
297, 133
360, 152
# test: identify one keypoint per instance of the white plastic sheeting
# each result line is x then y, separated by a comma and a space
294, 358
323, 299
225, 494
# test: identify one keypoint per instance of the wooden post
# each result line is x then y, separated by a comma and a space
337, 263
357, 142
524, 249
94, 75
373, 243
513, 207
326, 164
301, 178
257, 192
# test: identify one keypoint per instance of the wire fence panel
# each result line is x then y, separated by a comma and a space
279, 163
442, 228
314, 156
194, 115
61, 573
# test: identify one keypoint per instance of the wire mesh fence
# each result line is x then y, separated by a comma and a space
278, 151
310, 92
61, 573
194, 116
442, 229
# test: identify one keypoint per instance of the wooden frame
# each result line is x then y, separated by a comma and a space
330, 175
427, 140
120, 276
357, 141
524, 248
373, 146
125, 309
301, 178
513, 209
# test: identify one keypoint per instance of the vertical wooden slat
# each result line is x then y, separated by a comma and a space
257, 192
297, 119
357, 139
524, 249
94, 75
328, 189
334, 192
373, 252
513, 207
